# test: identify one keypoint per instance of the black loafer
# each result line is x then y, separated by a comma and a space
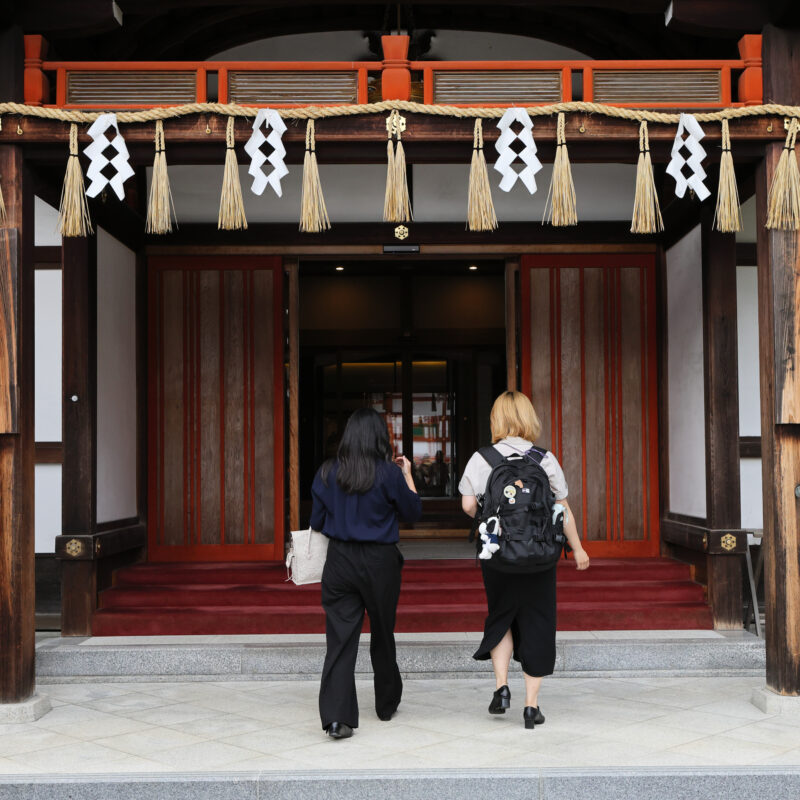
501, 700
532, 717
338, 730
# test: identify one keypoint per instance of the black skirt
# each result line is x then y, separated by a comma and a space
525, 604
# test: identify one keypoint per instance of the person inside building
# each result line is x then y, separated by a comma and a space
522, 606
358, 498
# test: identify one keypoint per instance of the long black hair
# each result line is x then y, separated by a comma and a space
364, 444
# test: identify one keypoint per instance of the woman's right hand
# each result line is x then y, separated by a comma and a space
404, 465
581, 559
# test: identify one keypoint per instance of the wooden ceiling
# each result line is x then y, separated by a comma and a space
196, 29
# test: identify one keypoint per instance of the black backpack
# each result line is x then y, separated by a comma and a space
518, 493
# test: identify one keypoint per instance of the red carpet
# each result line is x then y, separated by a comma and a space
444, 595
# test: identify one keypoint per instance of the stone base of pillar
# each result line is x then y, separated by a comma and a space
773, 703
28, 711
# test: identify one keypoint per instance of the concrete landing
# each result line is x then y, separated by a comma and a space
420, 655
635, 737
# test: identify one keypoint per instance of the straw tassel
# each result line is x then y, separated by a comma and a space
728, 213
646, 212
73, 212
313, 213
160, 209
783, 200
231, 206
480, 208
560, 202
396, 204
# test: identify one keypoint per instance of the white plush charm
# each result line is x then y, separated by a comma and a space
95, 152
506, 155
688, 138
269, 118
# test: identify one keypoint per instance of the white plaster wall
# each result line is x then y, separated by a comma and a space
116, 379
47, 520
47, 330
752, 500
448, 45
47, 380
747, 331
354, 193
687, 469
603, 191
749, 230
45, 225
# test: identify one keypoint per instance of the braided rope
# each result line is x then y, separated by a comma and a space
322, 112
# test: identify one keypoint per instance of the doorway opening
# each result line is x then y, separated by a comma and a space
423, 343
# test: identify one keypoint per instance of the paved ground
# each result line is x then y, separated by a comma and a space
99, 727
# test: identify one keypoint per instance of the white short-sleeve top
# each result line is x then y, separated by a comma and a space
473, 481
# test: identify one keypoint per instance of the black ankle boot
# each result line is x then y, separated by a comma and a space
501, 700
532, 717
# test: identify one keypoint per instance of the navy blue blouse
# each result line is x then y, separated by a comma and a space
368, 517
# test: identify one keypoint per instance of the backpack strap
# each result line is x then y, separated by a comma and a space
491, 455
536, 454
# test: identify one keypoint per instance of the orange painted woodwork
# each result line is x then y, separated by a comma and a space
215, 409
751, 81
396, 75
588, 360
35, 83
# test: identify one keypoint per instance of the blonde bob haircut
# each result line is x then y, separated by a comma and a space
513, 414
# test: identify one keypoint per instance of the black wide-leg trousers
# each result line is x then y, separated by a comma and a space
359, 576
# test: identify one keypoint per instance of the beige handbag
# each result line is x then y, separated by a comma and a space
306, 558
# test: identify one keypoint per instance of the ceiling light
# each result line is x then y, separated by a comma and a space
340, 269
473, 267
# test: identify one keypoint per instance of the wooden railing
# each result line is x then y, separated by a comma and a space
654, 84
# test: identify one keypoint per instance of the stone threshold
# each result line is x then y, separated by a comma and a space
427, 655
620, 783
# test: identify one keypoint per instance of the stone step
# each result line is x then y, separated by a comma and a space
419, 655
621, 783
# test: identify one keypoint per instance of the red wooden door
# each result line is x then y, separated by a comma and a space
215, 408
588, 331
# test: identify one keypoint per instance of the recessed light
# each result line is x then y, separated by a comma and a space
473, 267
340, 269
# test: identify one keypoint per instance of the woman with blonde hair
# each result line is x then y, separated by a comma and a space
522, 605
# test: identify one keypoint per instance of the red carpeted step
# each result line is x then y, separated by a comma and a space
466, 617
149, 596
442, 595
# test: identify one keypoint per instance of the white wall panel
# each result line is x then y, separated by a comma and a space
47, 501
47, 324
45, 225
687, 468
116, 379
752, 500
747, 331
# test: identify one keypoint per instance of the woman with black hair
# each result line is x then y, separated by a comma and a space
357, 500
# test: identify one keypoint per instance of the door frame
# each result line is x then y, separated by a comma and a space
650, 546
195, 552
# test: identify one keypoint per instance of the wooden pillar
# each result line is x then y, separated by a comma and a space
17, 621
720, 357
79, 473
292, 268
512, 269
779, 346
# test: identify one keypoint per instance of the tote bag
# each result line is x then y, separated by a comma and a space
306, 558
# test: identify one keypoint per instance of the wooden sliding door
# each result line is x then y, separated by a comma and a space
215, 408
588, 332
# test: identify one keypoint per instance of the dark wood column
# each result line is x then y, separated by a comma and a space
17, 670
779, 345
721, 381
79, 474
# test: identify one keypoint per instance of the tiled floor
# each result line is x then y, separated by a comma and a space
178, 727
